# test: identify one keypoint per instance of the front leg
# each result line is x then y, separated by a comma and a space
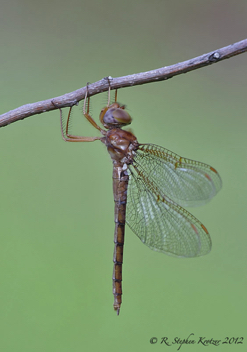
70, 137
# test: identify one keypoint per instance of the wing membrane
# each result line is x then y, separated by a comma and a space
154, 217
187, 182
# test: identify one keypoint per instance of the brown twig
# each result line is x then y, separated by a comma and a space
159, 74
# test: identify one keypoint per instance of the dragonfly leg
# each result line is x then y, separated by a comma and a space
109, 92
86, 112
69, 137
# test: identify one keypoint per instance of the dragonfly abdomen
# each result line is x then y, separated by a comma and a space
120, 184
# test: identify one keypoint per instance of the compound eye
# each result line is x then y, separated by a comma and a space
117, 116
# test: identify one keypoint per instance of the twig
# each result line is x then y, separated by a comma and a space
159, 74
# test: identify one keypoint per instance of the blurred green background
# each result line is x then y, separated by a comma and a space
56, 205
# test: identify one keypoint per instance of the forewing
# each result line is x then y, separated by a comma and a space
187, 182
159, 222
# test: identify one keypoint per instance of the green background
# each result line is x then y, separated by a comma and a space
56, 204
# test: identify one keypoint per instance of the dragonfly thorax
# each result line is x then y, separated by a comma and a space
121, 145
114, 115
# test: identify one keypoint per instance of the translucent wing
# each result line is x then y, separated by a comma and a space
156, 219
187, 182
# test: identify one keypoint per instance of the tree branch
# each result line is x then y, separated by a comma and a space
159, 74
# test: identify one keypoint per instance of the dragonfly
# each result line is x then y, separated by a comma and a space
151, 187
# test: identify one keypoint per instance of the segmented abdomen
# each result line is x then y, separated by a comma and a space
120, 184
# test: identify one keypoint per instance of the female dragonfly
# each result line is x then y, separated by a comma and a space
151, 185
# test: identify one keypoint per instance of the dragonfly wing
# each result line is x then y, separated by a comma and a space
159, 222
187, 182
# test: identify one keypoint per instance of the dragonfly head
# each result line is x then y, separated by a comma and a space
114, 115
